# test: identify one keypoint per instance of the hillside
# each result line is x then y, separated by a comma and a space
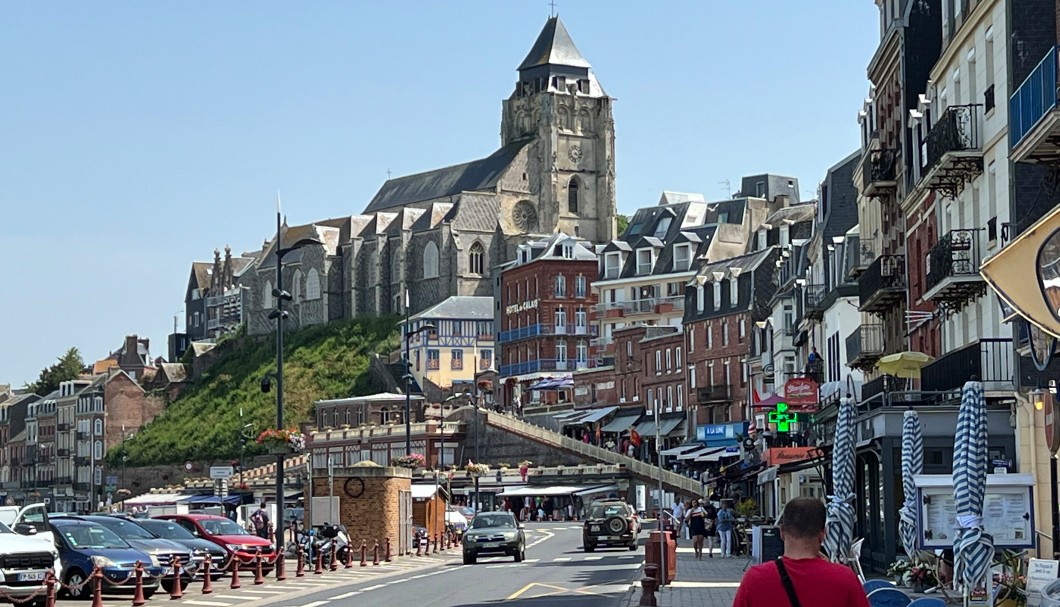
328, 361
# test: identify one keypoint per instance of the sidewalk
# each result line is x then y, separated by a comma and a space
711, 581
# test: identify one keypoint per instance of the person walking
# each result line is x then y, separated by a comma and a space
710, 516
726, 524
260, 521
678, 518
697, 526
801, 575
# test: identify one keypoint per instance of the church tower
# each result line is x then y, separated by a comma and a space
559, 104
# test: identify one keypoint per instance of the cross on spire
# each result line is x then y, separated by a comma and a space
552, 10
388, 174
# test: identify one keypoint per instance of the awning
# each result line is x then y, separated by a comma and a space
568, 414
423, 492
701, 451
678, 450
210, 499
768, 475
157, 499
541, 491
621, 423
646, 427
770, 402
717, 455
597, 414
595, 490
675, 430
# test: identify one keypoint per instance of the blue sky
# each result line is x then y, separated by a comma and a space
140, 136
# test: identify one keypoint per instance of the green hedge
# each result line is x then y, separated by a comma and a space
329, 361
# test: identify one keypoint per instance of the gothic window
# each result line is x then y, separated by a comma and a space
266, 295
98, 429
585, 122
475, 258
373, 268
296, 287
312, 285
430, 260
572, 195
563, 117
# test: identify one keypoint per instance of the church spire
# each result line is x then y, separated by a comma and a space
554, 48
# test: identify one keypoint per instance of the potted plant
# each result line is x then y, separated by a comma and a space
411, 461
920, 577
477, 469
1012, 581
897, 570
524, 468
283, 440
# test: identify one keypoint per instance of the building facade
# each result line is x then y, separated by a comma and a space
460, 345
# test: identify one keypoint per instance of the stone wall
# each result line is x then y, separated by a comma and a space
496, 446
373, 515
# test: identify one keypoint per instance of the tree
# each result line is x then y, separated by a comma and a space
623, 222
68, 367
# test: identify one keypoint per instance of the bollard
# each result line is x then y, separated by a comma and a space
259, 577
49, 597
138, 593
207, 583
299, 570
176, 592
364, 553
319, 569
235, 572
648, 586
97, 587
281, 575
334, 556
349, 557
435, 543
387, 555
375, 553
419, 545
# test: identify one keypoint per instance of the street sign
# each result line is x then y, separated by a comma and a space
221, 472
1052, 429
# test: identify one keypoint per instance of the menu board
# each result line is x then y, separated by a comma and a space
1007, 516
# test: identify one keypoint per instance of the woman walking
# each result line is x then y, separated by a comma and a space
697, 526
726, 523
711, 516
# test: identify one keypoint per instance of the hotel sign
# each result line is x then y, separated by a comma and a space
521, 307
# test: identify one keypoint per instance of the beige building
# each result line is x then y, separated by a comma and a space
461, 344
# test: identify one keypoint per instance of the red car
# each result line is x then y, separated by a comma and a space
224, 533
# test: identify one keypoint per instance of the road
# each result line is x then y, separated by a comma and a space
556, 572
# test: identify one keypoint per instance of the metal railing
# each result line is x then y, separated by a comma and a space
539, 329
815, 299
879, 166
958, 129
887, 272
642, 306
865, 341
1034, 98
989, 359
955, 254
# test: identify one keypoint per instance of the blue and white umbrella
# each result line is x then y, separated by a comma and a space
912, 463
840, 524
973, 548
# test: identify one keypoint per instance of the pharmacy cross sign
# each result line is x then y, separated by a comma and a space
781, 417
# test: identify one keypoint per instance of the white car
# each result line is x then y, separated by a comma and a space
457, 520
26, 558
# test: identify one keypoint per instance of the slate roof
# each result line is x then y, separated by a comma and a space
200, 271
548, 249
477, 175
554, 46
645, 230
175, 372
475, 213
326, 231
796, 214
464, 307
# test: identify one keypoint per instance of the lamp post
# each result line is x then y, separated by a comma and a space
279, 315
408, 373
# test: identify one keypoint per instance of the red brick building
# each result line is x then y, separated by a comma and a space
543, 319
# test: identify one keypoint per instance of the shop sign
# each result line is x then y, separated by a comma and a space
581, 390
521, 307
717, 433
782, 417
786, 455
801, 393
606, 385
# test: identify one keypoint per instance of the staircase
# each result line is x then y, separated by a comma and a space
647, 473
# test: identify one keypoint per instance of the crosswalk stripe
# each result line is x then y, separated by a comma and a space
561, 559
593, 558
346, 596
314, 604
207, 603
256, 591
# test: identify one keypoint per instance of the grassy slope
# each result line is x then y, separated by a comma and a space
329, 361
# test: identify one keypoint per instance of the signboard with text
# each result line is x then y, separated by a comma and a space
1008, 510
786, 455
801, 394
714, 434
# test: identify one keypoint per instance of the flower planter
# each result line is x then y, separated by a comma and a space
279, 449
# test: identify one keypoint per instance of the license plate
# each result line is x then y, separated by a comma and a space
594, 527
491, 545
612, 537
30, 577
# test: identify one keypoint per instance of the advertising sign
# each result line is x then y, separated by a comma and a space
787, 455
1040, 573
1008, 512
801, 394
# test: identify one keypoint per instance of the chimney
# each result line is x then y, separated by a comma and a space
130, 345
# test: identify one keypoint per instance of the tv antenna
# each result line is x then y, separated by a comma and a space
728, 186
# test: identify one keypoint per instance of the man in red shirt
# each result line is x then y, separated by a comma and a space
813, 581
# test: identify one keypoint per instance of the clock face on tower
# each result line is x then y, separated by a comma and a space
575, 154
524, 216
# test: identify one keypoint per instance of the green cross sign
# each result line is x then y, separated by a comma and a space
782, 418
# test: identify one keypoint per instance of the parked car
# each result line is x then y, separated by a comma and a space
24, 564
494, 533
165, 551
457, 520
610, 523
84, 545
225, 533
172, 531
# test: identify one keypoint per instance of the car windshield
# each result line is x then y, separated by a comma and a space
169, 531
91, 536
602, 511
127, 530
465, 511
221, 526
493, 520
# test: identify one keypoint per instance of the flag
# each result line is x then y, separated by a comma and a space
754, 395
634, 437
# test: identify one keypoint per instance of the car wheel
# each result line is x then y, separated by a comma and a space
149, 593
79, 589
589, 547
469, 559
520, 554
633, 547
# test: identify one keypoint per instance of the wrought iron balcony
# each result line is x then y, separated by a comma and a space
879, 172
953, 270
62, 453
988, 359
1034, 121
860, 254
816, 296
883, 284
533, 366
864, 346
716, 394
540, 329
953, 154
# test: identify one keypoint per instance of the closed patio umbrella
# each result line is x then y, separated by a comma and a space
840, 524
904, 364
912, 463
973, 548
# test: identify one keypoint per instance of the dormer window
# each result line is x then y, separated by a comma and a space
612, 265
645, 261
682, 257
734, 291
663, 227
717, 295
568, 251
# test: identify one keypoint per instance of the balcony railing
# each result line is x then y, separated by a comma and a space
815, 301
879, 171
988, 359
864, 346
644, 306
953, 269
715, 394
62, 453
882, 284
539, 329
62, 427
1033, 100
860, 254
953, 149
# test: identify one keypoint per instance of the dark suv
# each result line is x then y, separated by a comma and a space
610, 523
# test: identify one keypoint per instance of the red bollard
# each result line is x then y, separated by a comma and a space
387, 557
259, 577
334, 557
207, 583
300, 569
319, 570
435, 543
281, 575
375, 553
349, 557
364, 553
138, 593
445, 541
97, 587
49, 597
419, 546
235, 573
176, 592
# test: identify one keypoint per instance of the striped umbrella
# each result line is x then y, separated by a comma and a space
840, 524
912, 463
973, 548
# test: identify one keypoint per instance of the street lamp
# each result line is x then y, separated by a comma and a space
408, 373
279, 315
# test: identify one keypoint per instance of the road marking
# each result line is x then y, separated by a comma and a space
345, 596
561, 559
376, 587
208, 603
592, 558
254, 591
627, 556
315, 604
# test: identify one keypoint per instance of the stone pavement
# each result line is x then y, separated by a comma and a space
706, 583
